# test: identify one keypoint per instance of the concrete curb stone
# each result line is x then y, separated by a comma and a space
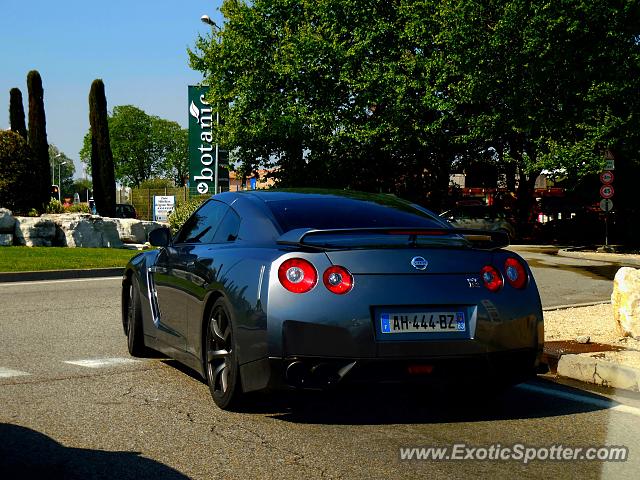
621, 258
586, 368
60, 274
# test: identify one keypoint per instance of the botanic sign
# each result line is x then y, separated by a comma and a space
202, 147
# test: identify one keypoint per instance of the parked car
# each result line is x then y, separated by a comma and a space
483, 217
265, 290
124, 210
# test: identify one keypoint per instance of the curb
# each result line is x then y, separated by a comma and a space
620, 258
599, 372
60, 274
553, 308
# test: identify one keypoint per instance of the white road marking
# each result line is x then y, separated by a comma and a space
50, 282
7, 373
596, 402
102, 362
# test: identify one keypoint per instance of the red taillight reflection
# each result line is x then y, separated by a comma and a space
338, 280
515, 273
297, 275
491, 278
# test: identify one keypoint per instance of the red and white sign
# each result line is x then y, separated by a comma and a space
606, 178
606, 191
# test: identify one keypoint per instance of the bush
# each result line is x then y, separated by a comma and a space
77, 208
16, 173
33, 213
182, 212
54, 206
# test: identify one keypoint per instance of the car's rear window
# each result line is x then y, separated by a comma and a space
338, 212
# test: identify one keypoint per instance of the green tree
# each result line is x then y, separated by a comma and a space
544, 85
67, 170
16, 113
104, 183
144, 146
172, 146
37, 137
16, 173
387, 95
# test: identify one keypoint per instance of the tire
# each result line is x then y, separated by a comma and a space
220, 357
133, 321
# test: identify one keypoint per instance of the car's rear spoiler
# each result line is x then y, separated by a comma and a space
479, 238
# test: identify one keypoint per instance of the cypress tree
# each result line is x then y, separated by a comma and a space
15, 172
37, 138
16, 113
102, 170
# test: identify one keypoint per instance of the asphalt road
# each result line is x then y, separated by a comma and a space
106, 416
568, 281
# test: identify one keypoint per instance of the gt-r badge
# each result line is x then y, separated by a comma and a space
473, 282
419, 263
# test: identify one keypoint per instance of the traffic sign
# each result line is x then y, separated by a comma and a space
610, 164
606, 205
606, 191
606, 178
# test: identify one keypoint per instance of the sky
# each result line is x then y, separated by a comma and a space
137, 47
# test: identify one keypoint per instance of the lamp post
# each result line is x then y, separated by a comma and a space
60, 180
53, 167
206, 19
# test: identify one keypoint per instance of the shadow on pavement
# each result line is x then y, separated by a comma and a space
25, 453
392, 405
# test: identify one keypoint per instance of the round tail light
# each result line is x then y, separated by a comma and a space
297, 275
338, 280
515, 273
491, 278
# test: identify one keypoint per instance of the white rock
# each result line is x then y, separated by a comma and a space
135, 231
583, 339
6, 239
625, 301
34, 231
85, 230
7, 221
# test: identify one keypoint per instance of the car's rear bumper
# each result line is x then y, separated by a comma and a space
277, 373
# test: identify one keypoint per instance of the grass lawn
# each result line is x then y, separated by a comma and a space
26, 259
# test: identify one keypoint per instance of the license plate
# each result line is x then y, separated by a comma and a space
422, 322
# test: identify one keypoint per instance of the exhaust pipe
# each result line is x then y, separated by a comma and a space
296, 373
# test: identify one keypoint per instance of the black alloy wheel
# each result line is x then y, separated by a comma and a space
133, 324
221, 360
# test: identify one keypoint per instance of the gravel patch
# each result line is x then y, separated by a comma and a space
596, 321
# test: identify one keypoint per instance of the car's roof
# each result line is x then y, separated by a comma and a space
274, 195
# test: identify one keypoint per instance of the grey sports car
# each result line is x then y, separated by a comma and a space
276, 289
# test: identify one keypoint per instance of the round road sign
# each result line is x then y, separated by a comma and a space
606, 191
606, 205
606, 177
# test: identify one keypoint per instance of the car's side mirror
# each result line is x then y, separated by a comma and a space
160, 237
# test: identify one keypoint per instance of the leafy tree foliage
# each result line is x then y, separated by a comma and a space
104, 184
144, 147
388, 95
37, 138
16, 172
16, 113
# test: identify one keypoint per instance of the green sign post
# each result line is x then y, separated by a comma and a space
204, 153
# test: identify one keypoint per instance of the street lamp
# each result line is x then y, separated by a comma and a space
53, 166
206, 19
60, 179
